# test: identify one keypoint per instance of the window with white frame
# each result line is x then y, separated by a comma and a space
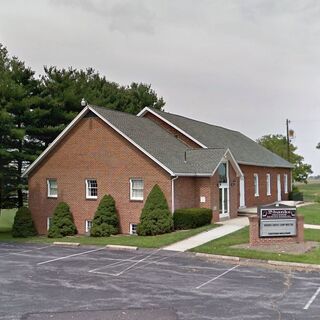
268, 179
88, 225
285, 183
91, 189
256, 184
52, 187
136, 189
49, 221
133, 228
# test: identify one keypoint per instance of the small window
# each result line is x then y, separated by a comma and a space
91, 189
256, 185
268, 179
52, 187
285, 183
49, 221
136, 189
88, 225
223, 175
133, 228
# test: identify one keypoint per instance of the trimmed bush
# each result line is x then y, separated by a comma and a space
62, 222
191, 218
105, 221
155, 216
23, 225
295, 194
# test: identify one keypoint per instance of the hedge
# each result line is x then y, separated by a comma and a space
191, 218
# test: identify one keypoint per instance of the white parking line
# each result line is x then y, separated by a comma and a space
24, 251
215, 278
69, 256
306, 307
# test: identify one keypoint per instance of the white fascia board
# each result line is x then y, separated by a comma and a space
193, 174
146, 109
131, 141
264, 165
235, 163
56, 140
229, 156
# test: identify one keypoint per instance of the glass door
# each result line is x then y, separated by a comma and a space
223, 190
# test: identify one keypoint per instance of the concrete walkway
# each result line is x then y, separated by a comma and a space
227, 227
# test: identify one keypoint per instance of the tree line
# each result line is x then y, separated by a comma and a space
35, 109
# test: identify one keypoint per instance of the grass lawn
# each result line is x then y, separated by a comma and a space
311, 213
310, 190
143, 242
222, 246
6, 219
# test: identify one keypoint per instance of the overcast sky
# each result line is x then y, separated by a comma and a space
246, 65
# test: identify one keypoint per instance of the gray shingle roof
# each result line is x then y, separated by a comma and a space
162, 145
245, 150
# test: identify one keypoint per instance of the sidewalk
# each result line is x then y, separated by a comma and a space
311, 226
227, 227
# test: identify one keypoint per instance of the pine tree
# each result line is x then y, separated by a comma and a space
23, 225
155, 216
105, 221
62, 222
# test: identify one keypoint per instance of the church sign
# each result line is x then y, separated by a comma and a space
278, 221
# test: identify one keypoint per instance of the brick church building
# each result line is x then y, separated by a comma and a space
196, 165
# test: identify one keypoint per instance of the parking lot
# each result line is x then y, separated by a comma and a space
50, 282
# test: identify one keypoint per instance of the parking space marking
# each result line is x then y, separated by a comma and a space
24, 251
118, 263
69, 256
306, 307
217, 277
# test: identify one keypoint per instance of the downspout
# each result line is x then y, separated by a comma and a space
172, 193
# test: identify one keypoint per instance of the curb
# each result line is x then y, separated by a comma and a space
216, 256
262, 263
118, 247
67, 244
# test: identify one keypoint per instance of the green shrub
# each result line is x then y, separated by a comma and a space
296, 196
62, 222
23, 225
191, 218
105, 221
155, 216
317, 199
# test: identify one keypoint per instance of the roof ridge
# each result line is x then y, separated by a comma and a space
194, 120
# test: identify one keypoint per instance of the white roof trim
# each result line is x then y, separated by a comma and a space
228, 155
73, 123
146, 109
56, 140
130, 140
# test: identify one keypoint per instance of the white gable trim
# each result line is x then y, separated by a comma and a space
146, 109
131, 141
56, 140
72, 124
229, 156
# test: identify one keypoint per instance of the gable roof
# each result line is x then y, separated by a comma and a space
244, 149
155, 142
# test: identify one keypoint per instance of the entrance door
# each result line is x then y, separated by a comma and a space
278, 187
223, 190
242, 198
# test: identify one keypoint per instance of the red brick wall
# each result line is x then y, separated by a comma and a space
93, 150
185, 192
172, 130
249, 171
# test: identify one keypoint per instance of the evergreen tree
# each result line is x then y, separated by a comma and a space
23, 225
105, 221
155, 216
62, 222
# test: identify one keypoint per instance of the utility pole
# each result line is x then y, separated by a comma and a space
288, 140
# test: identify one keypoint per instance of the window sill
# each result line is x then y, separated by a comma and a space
91, 198
256, 195
52, 197
136, 200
